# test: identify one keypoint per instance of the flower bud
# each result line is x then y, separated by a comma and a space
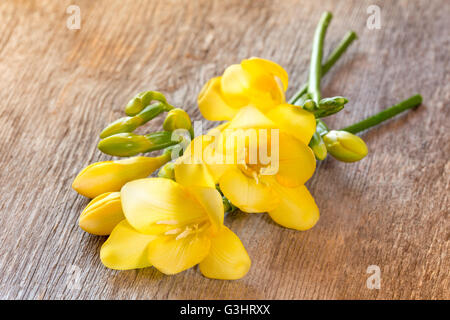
345, 146
125, 144
102, 214
228, 207
125, 124
129, 124
321, 127
141, 100
130, 144
318, 146
134, 106
310, 105
167, 171
332, 102
109, 176
302, 99
177, 119
329, 106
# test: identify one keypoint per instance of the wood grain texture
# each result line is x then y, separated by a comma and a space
60, 87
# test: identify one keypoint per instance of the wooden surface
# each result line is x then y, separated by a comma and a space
60, 87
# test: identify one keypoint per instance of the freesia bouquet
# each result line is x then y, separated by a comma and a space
258, 160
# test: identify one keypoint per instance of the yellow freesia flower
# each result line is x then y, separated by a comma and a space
102, 214
255, 81
245, 183
174, 227
110, 176
261, 84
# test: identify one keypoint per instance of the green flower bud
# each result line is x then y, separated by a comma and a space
345, 146
318, 146
125, 124
332, 102
329, 106
129, 144
310, 105
167, 171
177, 119
228, 207
134, 106
129, 124
324, 108
321, 127
301, 101
143, 99
124, 144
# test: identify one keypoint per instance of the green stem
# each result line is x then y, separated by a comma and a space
384, 115
315, 70
339, 50
331, 60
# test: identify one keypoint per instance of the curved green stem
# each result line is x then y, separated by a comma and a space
331, 60
315, 70
384, 115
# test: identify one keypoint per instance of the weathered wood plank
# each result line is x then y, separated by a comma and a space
60, 87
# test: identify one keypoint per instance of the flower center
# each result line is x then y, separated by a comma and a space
251, 170
181, 232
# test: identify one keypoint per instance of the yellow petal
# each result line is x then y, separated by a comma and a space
217, 169
246, 193
211, 201
126, 248
171, 256
227, 258
296, 162
200, 164
250, 117
102, 214
297, 209
234, 84
110, 176
215, 131
214, 160
266, 88
193, 175
190, 169
258, 65
212, 104
294, 120
157, 201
